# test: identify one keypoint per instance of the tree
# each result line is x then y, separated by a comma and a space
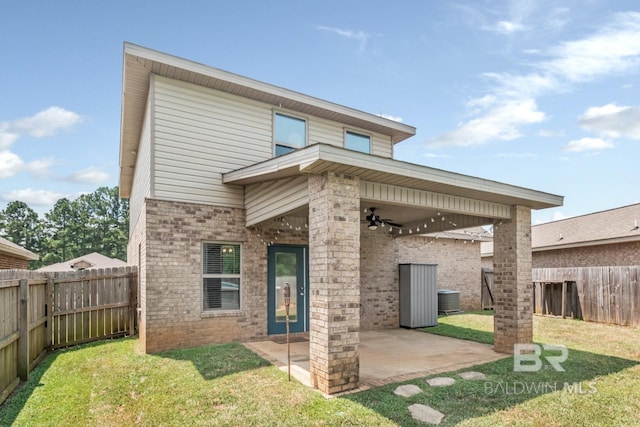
21, 225
94, 222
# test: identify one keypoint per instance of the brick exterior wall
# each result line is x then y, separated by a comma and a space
589, 256
9, 262
171, 284
334, 274
512, 287
458, 264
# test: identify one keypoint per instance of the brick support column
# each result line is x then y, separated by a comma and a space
334, 274
513, 289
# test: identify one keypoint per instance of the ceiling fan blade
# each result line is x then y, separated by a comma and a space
393, 224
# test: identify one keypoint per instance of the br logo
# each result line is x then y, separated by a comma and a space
528, 357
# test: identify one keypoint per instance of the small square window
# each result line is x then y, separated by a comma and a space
221, 276
289, 133
357, 142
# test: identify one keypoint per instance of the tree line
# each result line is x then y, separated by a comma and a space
95, 222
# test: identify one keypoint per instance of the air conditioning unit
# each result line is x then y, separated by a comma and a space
448, 301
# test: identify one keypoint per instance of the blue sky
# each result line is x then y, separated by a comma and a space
540, 94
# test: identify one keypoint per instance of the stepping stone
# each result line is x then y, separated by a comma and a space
407, 390
440, 381
472, 375
425, 414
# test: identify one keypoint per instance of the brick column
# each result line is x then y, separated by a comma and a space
334, 274
513, 289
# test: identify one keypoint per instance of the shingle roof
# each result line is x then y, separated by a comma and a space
94, 260
17, 251
597, 228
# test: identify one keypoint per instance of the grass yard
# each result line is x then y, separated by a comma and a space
112, 384
602, 372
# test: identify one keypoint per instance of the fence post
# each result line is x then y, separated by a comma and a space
23, 331
50, 290
132, 303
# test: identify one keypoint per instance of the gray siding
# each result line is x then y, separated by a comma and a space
201, 133
142, 177
274, 198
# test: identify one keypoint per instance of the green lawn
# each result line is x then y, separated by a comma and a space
112, 384
599, 387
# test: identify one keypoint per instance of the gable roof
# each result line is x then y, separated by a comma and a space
140, 62
16, 251
617, 225
610, 226
86, 262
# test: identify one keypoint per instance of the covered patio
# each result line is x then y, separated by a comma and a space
387, 356
329, 186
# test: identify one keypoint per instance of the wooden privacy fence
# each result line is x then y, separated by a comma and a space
596, 294
43, 310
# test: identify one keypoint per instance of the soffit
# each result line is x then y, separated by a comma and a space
321, 158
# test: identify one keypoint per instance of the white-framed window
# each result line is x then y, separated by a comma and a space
357, 141
221, 276
289, 133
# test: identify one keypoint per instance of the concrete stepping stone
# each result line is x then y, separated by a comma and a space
440, 381
425, 414
407, 390
472, 375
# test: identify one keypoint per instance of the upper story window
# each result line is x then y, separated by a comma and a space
289, 133
357, 142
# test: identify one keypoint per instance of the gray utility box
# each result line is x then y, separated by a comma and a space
418, 295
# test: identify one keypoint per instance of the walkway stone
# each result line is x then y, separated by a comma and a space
440, 381
472, 375
425, 414
407, 390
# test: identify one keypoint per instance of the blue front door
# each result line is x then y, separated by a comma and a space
287, 264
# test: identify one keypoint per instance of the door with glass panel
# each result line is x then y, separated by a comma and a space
287, 264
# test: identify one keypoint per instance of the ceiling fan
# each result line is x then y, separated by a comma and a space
374, 219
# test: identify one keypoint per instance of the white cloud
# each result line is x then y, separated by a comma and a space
10, 164
389, 117
612, 121
33, 197
498, 123
505, 27
545, 133
7, 138
615, 49
359, 35
44, 123
588, 144
90, 175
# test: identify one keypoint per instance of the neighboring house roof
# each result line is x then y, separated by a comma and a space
10, 248
617, 225
141, 62
85, 262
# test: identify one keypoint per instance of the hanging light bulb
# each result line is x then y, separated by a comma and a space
410, 232
417, 229
433, 220
390, 229
400, 232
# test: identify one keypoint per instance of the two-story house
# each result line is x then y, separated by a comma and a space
237, 187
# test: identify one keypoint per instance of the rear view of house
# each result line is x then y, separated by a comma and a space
238, 187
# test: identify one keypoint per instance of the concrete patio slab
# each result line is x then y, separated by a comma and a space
389, 356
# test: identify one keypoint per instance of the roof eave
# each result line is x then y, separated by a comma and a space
193, 72
315, 157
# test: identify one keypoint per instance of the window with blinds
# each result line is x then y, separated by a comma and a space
221, 276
